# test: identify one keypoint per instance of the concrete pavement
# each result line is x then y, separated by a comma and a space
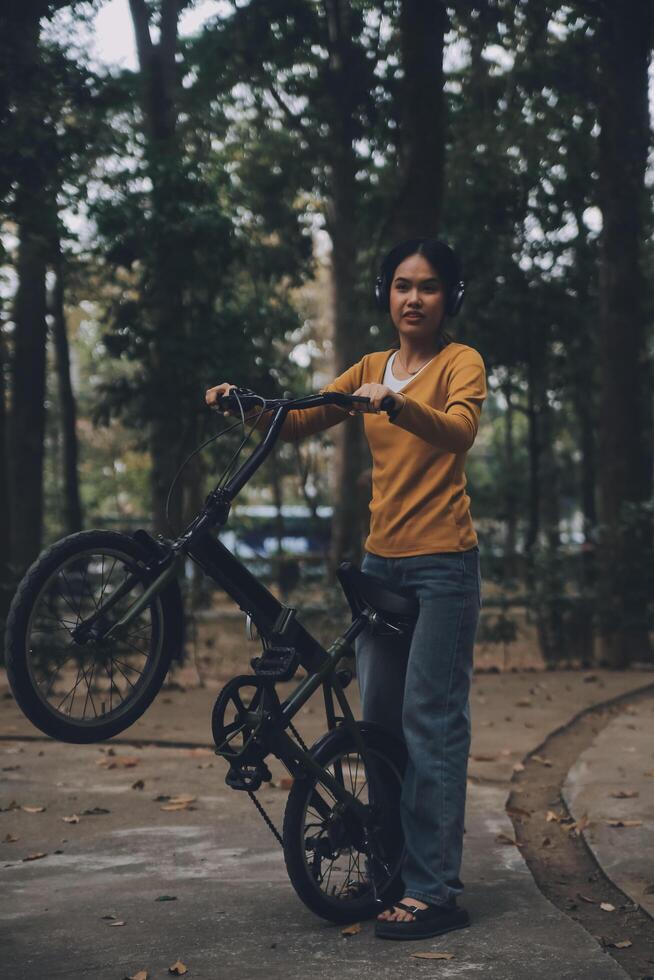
234, 913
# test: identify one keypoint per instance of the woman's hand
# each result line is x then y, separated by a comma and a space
212, 395
376, 394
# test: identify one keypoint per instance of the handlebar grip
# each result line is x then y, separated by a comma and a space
387, 404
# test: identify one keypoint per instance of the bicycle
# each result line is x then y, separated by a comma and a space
98, 617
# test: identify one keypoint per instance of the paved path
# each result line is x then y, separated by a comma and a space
235, 914
614, 780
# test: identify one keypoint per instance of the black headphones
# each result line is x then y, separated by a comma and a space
446, 261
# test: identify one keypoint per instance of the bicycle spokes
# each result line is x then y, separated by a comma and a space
75, 670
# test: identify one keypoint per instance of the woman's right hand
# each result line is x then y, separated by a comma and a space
212, 395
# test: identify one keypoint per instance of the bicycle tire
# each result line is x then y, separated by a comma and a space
390, 756
21, 658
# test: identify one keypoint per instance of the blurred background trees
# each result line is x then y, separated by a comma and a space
217, 212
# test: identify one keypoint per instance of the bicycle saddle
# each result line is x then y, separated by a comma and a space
362, 589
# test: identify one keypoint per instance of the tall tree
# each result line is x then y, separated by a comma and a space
417, 207
625, 37
72, 504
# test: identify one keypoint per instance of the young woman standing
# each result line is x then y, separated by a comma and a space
421, 538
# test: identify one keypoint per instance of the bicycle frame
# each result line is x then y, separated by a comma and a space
272, 618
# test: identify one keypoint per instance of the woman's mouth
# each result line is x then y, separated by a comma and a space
412, 315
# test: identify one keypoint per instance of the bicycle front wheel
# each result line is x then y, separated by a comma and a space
71, 682
328, 859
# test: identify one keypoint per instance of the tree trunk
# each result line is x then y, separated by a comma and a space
163, 292
348, 334
27, 424
625, 37
417, 210
6, 585
510, 497
72, 504
28, 395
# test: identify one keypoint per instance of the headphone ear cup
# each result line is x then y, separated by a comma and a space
455, 300
381, 295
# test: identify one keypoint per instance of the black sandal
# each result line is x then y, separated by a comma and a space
432, 921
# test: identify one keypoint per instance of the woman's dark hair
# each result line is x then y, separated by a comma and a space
439, 255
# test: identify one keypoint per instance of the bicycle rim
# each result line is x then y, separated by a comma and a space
83, 683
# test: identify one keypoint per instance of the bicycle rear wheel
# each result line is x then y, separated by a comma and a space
324, 843
71, 683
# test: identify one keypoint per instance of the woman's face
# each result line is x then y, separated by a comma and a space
417, 298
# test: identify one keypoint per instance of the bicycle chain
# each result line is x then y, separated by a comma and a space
260, 806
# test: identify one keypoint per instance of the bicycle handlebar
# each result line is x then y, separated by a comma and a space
249, 400
245, 399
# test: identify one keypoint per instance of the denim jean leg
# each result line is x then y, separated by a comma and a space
381, 663
436, 722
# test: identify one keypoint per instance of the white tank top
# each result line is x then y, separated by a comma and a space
394, 383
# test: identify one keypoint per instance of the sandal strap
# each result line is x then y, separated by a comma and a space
413, 909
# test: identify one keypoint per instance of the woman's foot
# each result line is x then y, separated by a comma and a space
420, 922
397, 914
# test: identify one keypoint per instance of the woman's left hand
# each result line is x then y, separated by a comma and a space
376, 394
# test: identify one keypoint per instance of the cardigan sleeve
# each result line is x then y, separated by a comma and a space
307, 421
454, 429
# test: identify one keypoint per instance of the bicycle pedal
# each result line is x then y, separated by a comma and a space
277, 663
248, 777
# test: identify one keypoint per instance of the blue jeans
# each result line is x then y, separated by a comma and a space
418, 686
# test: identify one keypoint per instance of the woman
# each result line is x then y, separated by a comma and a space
421, 538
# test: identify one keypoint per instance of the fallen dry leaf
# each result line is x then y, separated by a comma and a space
546, 841
352, 930
33, 809
117, 922
518, 811
182, 802
505, 839
584, 898
95, 811
543, 761
141, 975
9, 839
139, 784
35, 857
178, 969
624, 794
519, 767
198, 753
73, 818
484, 758
623, 944
618, 822
551, 815
607, 907
118, 762
433, 956
579, 825
650, 772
